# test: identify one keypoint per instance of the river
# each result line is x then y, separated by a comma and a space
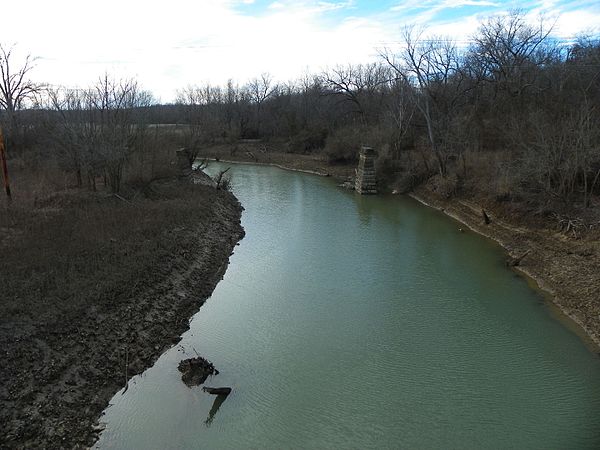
364, 322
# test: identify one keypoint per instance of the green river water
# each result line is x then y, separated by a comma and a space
364, 322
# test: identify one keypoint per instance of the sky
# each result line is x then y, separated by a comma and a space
168, 45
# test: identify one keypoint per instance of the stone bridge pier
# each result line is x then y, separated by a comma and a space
366, 181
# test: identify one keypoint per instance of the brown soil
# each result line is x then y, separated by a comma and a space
94, 289
566, 268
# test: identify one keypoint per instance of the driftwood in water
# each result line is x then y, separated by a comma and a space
219, 179
217, 391
486, 218
514, 262
195, 371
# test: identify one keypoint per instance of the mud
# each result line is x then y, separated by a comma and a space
65, 352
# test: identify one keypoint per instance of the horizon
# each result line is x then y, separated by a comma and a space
211, 41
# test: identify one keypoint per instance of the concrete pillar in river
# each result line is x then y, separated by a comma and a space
184, 168
366, 181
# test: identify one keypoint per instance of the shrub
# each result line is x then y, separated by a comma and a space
447, 186
307, 141
343, 145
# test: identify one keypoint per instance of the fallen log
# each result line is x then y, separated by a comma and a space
514, 262
217, 391
486, 218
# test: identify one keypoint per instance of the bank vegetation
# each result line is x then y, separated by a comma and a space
513, 114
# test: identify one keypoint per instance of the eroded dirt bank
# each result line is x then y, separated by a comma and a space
94, 289
568, 269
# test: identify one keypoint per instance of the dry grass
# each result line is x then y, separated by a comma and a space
76, 248
87, 277
28, 184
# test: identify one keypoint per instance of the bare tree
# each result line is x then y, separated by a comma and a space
358, 85
98, 129
230, 99
432, 65
508, 58
15, 88
260, 89
508, 50
560, 152
399, 111
119, 106
69, 128
202, 109
189, 100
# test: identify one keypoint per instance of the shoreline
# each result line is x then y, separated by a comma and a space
555, 299
258, 154
56, 398
279, 166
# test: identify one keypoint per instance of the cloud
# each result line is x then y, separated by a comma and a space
570, 24
170, 45
440, 16
312, 7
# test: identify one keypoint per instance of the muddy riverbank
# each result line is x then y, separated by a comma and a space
95, 288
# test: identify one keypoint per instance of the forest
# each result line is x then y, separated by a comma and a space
513, 114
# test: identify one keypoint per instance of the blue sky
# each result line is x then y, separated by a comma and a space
427, 12
169, 45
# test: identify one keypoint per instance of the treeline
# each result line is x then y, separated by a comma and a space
517, 101
515, 110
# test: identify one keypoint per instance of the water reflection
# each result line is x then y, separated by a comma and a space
219, 400
365, 207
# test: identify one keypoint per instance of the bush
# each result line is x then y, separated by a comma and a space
411, 178
447, 186
343, 145
307, 141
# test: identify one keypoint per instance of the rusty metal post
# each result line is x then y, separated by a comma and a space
4, 166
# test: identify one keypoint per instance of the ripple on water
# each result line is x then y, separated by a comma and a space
348, 322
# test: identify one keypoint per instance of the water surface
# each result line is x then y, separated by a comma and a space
364, 322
